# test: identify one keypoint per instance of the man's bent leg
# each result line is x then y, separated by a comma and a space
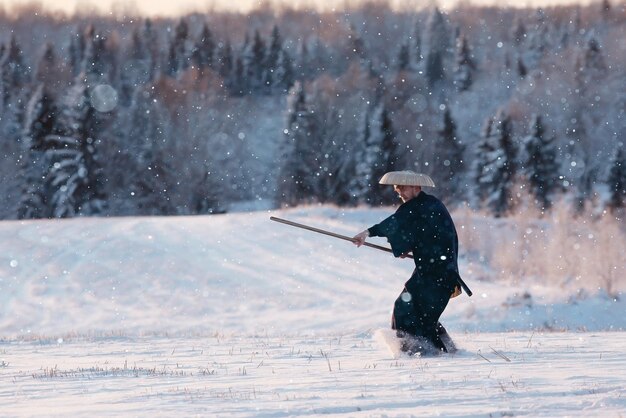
446, 339
410, 327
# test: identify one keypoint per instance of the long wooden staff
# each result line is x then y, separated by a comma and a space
332, 234
367, 244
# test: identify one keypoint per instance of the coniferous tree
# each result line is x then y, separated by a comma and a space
584, 185
208, 197
150, 40
137, 68
253, 63
77, 51
152, 176
333, 159
40, 125
224, 59
449, 158
606, 9
302, 61
540, 165
14, 73
617, 178
298, 153
362, 181
376, 154
204, 49
480, 168
536, 43
179, 54
578, 168
522, 71
437, 44
382, 132
356, 44
590, 64
284, 75
321, 58
404, 58
464, 65
415, 46
76, 179
274, 51
44, 71
237, 82
256, 68
97, 62
518, 31
14, 85
500, 168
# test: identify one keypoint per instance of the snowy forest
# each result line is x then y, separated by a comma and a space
506, 108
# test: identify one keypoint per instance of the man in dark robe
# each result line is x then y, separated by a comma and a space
421, 226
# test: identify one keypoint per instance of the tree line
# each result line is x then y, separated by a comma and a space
131, 116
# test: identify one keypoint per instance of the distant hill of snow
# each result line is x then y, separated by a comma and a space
241, 273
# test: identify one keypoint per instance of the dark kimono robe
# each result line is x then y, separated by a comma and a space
424, 227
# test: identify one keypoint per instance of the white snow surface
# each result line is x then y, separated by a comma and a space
237, 316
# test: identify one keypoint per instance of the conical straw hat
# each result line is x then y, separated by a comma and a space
407, 178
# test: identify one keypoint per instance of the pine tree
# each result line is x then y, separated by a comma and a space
152, 177
376, 154
137, 68
253, 54
320, 60
14, 73
578, 169
208, 197
284, 74
237, 82
437, 44
14, 86
302, 66
500, 168
77, 51
97, 61
333, 160
150, 40
366, 153
415, 46
382, 131
224, 59
404, 59
590, 64
271, 60
46, 65
298, 156
522, 71
617, 178
536, 43
75, 180
480, 168
449, 158
465, 66
204, 49
584, 185
606, 9
40, 125
179, 54
518, 31
356, 44
540, 165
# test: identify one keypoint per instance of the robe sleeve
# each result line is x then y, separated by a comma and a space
398, 235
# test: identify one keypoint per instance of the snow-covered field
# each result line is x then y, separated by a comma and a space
235, 315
